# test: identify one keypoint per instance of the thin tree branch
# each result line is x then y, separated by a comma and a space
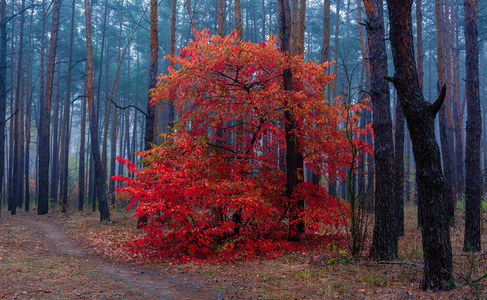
125, 107
10, 116
435, 107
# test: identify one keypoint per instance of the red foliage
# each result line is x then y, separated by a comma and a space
214, 188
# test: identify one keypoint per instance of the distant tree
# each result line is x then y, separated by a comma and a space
100, 182
82, 156
221, 17
29, 94
3, 89
445, 114
456, 108
44, 147
65, 136
154, 44
238, 17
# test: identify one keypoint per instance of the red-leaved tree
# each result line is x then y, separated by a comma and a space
214, 189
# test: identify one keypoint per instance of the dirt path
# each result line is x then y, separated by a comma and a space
38, 260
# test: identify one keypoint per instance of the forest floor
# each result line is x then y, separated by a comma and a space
74, 256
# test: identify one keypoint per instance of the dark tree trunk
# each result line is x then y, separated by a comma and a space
420, 115
294, 156
43, 146
3, 89
66, 129
473, 177
81, 169
385, 229
458, 126
12, 175
445, 111
238, 18
18, 170
113, 144
29, 93
149, 123
100, 182
172, 51
55, 142
399, 168
221, 17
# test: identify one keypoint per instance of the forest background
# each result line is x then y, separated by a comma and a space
41, 63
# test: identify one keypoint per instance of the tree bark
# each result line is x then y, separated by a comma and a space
19, 118
221, 17
420, 120
149, 121
238, 18
294, 156
448, 108
419, 42
191, 17
399, 168
100, 183
114, 137
3, 89
172, 51
154, 44
458, 131
445, 111
473, 178
12, 175
67, 103
81, 168
55, 140
385, 229
46, 122
29, 93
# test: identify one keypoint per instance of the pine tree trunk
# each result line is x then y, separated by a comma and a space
113, 143
29, 93
238, 18
458, 147
191, 17
399, 168
221, 17
43, 148
19, 118
66, 130
385, 229
172, 51
100, 183
55, 141
445, 111
419, 41
294, 157
448, 110
420, 115
149, 121
3, 90
81, 170
473, 178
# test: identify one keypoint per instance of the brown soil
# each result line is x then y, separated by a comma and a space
75, 256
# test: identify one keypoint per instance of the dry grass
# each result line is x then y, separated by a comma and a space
297, 276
